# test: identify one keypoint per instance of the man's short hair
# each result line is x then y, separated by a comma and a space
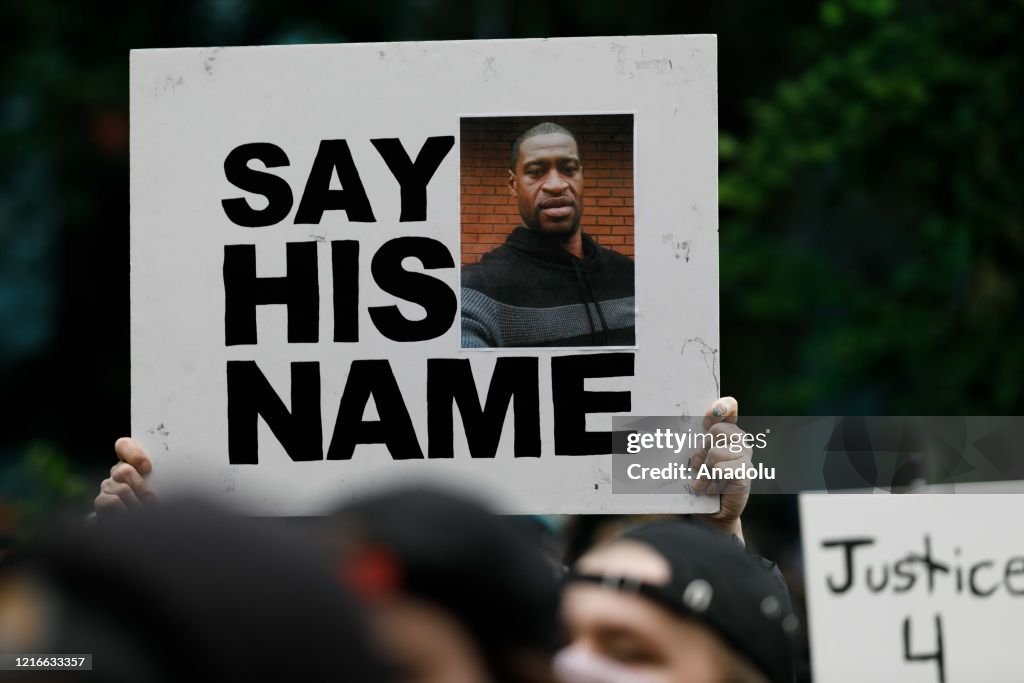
545, 128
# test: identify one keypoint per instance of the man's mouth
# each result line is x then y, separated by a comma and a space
557, 207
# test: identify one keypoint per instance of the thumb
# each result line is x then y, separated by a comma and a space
725, 409
128, 450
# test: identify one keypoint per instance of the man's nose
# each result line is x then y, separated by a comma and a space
554, 183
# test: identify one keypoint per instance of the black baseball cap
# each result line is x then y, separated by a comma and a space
717, 583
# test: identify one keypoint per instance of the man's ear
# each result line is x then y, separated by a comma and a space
512, 183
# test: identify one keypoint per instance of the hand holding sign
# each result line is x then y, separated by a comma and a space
126, 486
720, 419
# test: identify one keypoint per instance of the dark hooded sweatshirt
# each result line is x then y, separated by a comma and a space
531, 292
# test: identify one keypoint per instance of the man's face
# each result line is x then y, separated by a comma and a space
548, 184
638, 639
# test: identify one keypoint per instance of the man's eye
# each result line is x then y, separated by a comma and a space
630, 654
635, 657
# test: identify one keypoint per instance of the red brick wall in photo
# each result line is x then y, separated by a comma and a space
489, 211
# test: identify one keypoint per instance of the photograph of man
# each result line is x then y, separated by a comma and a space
550, 283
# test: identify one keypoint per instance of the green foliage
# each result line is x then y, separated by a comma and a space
39, 482
872, 225
873, 233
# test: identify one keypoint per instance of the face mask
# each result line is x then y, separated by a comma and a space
580, 665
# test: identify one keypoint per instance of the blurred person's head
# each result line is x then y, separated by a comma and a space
182, 592
458, 595
672, 602
583, 532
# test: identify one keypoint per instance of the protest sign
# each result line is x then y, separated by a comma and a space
918, 588
318, 306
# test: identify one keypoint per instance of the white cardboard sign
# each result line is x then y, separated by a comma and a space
295, 246
917, 588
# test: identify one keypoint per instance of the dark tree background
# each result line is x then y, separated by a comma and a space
872, 229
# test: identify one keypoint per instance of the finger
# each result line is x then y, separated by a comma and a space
737, 465
725, 409
705, 484
730, 478
720, 457
726, 429
698, 458
122, 491
126, 474
128, 450
717, 458
730, 444
719, 461
107, 503
721, 427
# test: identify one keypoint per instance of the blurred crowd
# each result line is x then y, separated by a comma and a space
408, 585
